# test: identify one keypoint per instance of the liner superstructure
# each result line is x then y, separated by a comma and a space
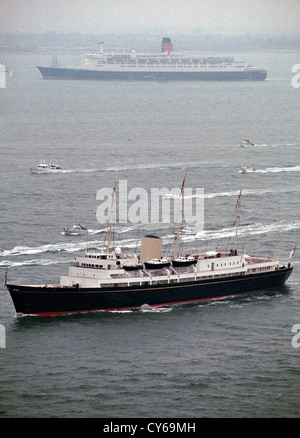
164, 66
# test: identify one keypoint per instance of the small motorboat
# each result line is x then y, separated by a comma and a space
246, 143
75, 230
157, 263
247, 169
184, 261
187, 232
44, 167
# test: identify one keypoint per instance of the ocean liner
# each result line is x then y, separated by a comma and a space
104, 280
162, 66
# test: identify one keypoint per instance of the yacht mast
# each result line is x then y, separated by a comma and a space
237, 206
179, 224
110, 219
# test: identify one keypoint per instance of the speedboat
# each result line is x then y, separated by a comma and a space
187, 232
247, 169
43, 167
246, 143
75, 230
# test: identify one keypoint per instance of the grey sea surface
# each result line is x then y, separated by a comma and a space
226, 358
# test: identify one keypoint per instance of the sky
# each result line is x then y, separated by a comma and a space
263, 17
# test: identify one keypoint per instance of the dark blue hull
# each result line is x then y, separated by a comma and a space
84, 74
48, 301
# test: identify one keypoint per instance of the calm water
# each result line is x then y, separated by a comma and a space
233, 357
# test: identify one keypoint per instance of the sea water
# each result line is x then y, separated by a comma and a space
228, 358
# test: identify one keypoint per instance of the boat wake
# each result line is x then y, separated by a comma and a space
175, 165
279, 169
90, 232
232, 193
271, 145
145, 308
50, 248
33, 262
247, 230
273, 170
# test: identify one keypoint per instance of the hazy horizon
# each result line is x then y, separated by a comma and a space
253, 17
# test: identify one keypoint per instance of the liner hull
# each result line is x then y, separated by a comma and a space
91, 74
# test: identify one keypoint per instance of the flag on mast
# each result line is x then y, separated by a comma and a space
114, 189
238, 199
